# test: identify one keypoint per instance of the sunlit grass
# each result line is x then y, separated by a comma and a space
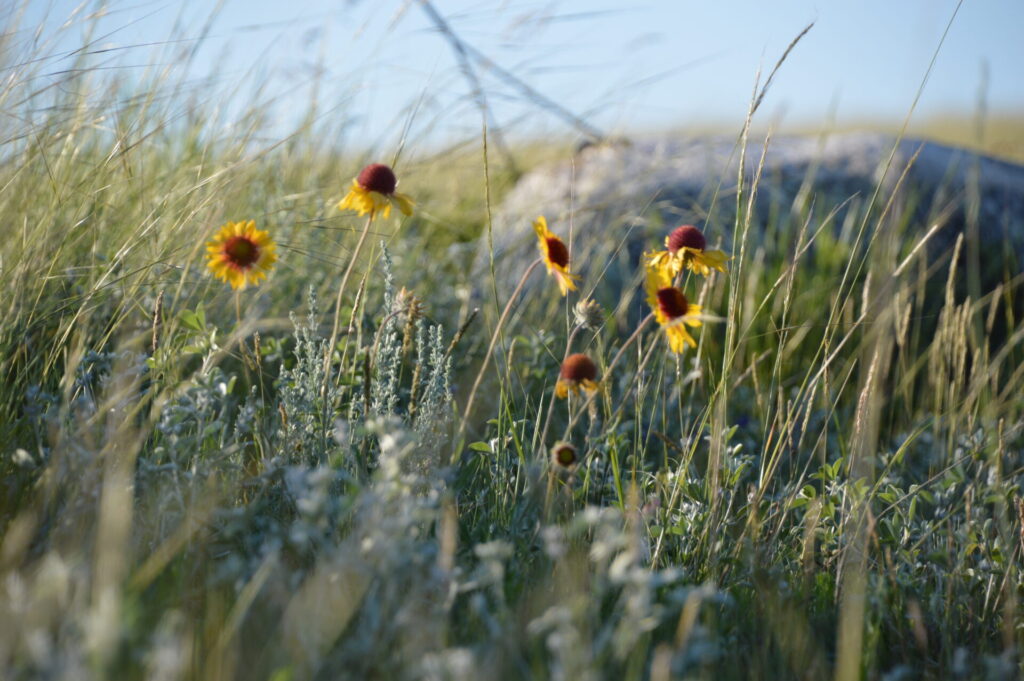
828, 485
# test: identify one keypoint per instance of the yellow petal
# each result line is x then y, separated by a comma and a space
540, 225
565, 280
405, 204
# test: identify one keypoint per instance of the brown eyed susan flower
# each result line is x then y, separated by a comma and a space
674, 312
671, 308
578, 371
564, 455
240, 254
373, 192
556, 256
686, 247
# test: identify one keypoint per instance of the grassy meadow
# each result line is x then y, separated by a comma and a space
284, 482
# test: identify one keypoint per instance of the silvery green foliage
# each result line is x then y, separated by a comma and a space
434, 410
168, 658
315, 494
392, 532
196, 423
90, 377
306, 395
563, 635
246, 418
641, 598
300, 511
47, 603
196, 435
39, 405
451, 664
389, 348
433, 369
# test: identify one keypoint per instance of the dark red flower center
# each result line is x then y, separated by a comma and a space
241, 251
686, 236
672, 302
578, 368
379, 178
565, 455
557, 252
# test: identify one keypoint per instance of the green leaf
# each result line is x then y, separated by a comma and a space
190, 319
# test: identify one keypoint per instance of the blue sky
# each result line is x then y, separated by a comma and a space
624, 66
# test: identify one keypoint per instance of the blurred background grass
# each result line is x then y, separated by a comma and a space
808, 495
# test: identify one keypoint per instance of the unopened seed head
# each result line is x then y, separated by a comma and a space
564, 454
407, 306
588, 314
578, 368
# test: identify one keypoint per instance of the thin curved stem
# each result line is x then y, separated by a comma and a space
551, 404
238, 308
376, 336
622, 403
608, 372
341, 292
494, 341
